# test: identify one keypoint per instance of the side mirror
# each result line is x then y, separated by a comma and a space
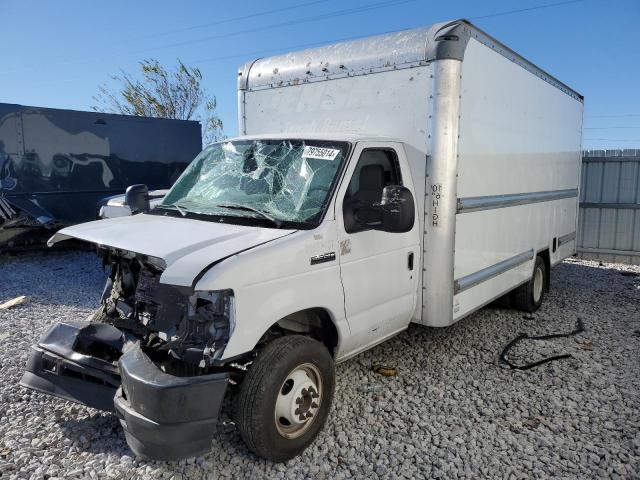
398, 210
137, 198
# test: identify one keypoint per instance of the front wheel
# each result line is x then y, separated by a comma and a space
285, 397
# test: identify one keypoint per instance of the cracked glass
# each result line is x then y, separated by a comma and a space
277, 180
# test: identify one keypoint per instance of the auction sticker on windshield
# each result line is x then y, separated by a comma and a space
320, 153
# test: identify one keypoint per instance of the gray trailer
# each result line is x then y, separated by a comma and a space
55, 165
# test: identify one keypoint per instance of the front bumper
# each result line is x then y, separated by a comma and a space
55, 368
164, 417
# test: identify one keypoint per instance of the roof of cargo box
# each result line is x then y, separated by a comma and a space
379, 53
337, 137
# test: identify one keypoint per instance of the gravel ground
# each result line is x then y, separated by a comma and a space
451, 412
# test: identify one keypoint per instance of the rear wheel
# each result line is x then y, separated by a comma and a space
528, 297
285, 397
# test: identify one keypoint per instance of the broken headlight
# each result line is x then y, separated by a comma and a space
205, 330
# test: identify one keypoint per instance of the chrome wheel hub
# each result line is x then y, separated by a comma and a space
298, 401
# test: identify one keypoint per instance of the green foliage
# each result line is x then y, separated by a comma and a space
161, 93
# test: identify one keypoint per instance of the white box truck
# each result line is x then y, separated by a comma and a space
408, 177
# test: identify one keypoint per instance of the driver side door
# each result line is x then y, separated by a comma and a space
378, 269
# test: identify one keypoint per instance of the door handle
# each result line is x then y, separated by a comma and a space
410, 261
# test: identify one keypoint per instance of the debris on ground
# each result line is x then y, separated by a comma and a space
586, 345
13, 302
579, 328
370, 387
384, 370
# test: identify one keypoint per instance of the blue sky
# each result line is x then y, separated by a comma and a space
55, 54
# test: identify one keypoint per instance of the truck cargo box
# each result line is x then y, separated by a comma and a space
494, 145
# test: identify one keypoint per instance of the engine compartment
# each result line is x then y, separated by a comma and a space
182, 331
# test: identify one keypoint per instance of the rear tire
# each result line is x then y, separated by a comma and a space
285, 397
528, 297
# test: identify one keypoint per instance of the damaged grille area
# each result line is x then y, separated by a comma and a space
183, 331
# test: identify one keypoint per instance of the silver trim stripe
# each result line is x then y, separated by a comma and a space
485, 274
475, 204
566, 238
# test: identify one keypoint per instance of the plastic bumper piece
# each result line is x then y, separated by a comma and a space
55, 368
167, 417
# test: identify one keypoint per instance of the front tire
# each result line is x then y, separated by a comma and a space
285, 397
528, 297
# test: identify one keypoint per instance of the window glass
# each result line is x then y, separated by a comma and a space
288, 180
376, 169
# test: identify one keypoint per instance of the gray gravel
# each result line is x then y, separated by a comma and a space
452, 411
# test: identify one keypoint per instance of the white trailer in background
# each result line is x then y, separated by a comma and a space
408, 177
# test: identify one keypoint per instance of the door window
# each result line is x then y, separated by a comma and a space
376, 169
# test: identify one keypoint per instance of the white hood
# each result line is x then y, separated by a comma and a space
187, 246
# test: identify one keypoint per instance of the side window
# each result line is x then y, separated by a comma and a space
376, 169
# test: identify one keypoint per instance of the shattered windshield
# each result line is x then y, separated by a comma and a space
276, 180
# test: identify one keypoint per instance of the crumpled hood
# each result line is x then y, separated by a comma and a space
187, 246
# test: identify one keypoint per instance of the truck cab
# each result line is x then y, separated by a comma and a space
263, 238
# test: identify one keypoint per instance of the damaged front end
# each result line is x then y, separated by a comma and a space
151, 354
182, 330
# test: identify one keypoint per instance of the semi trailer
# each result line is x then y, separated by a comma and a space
57, 165
411, 177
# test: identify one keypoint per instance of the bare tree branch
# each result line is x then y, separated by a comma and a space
162, 93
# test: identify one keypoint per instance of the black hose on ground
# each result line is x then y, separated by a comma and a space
523, 336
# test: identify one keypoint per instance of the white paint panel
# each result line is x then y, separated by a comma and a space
380, 289
390, 104
277, 279
518, 134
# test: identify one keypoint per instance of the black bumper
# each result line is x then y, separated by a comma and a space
164, 417
55, 368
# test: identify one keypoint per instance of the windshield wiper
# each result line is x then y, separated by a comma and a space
275, 221
179, 208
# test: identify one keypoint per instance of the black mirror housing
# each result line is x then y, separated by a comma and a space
137, 198
398, 209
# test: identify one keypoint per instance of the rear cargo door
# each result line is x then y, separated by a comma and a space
378, 269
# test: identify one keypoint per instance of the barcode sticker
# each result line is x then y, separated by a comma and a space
320, 153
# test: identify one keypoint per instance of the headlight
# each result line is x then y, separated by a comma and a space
210, 322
